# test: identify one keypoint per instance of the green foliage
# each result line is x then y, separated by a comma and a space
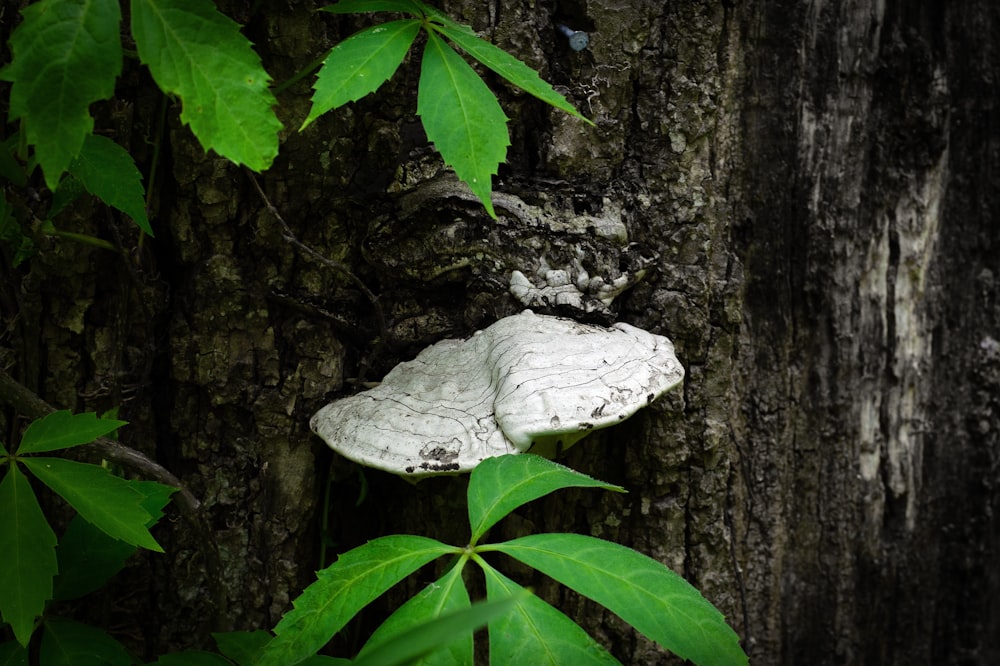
117, 512
66, 56
107, 171
640, 590
459, 113
200, 55
69, 643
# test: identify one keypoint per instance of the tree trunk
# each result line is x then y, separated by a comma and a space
810, 187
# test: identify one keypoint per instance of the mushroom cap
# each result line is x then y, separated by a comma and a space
527, 383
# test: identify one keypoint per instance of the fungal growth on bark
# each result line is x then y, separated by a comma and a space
528, 383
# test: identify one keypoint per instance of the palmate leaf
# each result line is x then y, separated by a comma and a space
536, 633
360, 64
87, 559
198, 54
499, 485
638, 589
107, 501
109, 173
13, 653
357, 578
63, 430
506, 66
462, 117
442, 596
27, 555
66, 56
69, 643
428, 636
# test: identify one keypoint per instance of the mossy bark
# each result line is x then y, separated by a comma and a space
817, 183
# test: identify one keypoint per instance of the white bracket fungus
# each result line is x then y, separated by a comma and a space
527, 383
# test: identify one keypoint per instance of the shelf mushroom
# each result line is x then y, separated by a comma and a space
528, 383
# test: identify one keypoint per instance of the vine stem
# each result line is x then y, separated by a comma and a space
326, 261
26, 403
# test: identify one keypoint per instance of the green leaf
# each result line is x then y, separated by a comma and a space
365, 6
537, 633
66, 56
637, 588
13, 653
70, 189
192, 658
443, 596
87, 559
27, 555
10, 168
243, 647
155, 496
356, 579
360, 64
105, 500
431, 635
62, 430
507, 66
198, 54
109, 173
462, 117
69, 643
499, 485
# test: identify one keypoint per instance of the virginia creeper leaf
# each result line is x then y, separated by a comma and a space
499, 485
536, 633
360, 64
87, 559
109, 173
27, 555
13, 653
155, 496
462, 117
107, 501
242, 647
428, 636
66, 56
637, 588
506, 66
365, 6
198, 54
445, 595
62, 430
356, 579
69, 643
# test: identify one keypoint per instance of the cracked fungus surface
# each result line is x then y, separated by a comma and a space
527, 383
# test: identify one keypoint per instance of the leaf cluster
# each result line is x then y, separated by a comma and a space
460, 115
113, 519
68, 54
643, 592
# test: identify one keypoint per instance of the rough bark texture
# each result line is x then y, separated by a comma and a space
814, 185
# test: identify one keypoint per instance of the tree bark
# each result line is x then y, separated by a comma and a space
811, 187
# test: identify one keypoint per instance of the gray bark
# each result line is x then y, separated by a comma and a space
817, 184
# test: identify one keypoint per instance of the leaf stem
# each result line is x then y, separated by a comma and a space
84, 238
